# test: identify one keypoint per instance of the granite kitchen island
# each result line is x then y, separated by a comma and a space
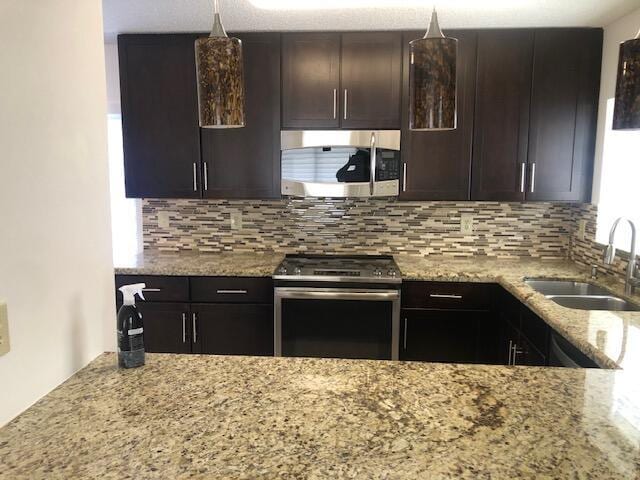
248, 417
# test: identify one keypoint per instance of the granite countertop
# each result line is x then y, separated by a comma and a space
248, 418
609, 338
226, 264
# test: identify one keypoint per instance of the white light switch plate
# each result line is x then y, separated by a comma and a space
5, 346
466, 224
163, 219
236, 220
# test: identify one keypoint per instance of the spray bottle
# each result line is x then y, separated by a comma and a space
130, 331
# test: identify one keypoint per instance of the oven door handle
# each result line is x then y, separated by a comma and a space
337, 294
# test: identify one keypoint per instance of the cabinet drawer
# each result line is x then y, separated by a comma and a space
159, 288
231, 290
446, 295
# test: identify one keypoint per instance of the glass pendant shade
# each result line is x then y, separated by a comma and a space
220, 78
626, 112
432, 80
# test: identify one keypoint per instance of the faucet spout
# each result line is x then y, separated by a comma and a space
610, 253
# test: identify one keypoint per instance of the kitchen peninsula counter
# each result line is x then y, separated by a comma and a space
247, 417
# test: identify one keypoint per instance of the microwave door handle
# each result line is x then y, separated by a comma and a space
372, 178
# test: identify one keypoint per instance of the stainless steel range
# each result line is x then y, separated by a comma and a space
337, 306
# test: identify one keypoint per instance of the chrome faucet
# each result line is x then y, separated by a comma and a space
610, 252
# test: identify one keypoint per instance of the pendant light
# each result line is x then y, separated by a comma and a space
220, 78
432, 80
626, 112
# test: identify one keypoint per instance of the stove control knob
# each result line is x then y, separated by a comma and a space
377, 272
297, 271
391, 273
282, 270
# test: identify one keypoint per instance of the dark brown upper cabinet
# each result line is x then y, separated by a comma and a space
371, 80
564, 106
310, 80
350, 80
501, 125
161, 137
245, 162
437, 165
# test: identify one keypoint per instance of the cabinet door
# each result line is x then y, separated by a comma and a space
233, 329
310, 80
525, 353
564, 103
245, 162
370, 80
438, 164
440, 335
161, 136
501, 126
166, 327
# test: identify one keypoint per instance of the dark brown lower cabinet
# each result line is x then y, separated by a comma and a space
233, 329
441, 336
166, 327
448, 322
524, 337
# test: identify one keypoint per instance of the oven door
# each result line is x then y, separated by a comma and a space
340, 164
336, 323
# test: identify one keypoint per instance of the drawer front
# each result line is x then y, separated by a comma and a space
160, 288
446, 295
231, 290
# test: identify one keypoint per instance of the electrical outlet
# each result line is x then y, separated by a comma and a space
4, 330
236, 220
466, 224
582, 227
163, 219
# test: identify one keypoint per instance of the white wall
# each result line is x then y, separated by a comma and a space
617, 32
55, 242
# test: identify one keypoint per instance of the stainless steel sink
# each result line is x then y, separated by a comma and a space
565, 287
580, 295
586, 302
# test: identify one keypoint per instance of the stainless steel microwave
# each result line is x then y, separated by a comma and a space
340, 163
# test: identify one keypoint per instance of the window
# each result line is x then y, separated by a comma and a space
125, 213
619, 181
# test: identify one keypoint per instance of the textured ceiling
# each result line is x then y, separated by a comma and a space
121, 16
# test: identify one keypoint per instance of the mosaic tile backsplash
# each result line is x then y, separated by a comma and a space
586, 251
379, 226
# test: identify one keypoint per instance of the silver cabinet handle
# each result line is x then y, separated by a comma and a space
405, 333
151, 290
533, 177
515, 353
372, 155
184, 328
445, 295
195, 177
404, 177
335, 103
346, 101
522, 176
231, 292
510, 351
193, 326
206, 176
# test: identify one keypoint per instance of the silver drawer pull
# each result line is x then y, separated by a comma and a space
194, 319
184, 328
151, 289
231, 292
445, 295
